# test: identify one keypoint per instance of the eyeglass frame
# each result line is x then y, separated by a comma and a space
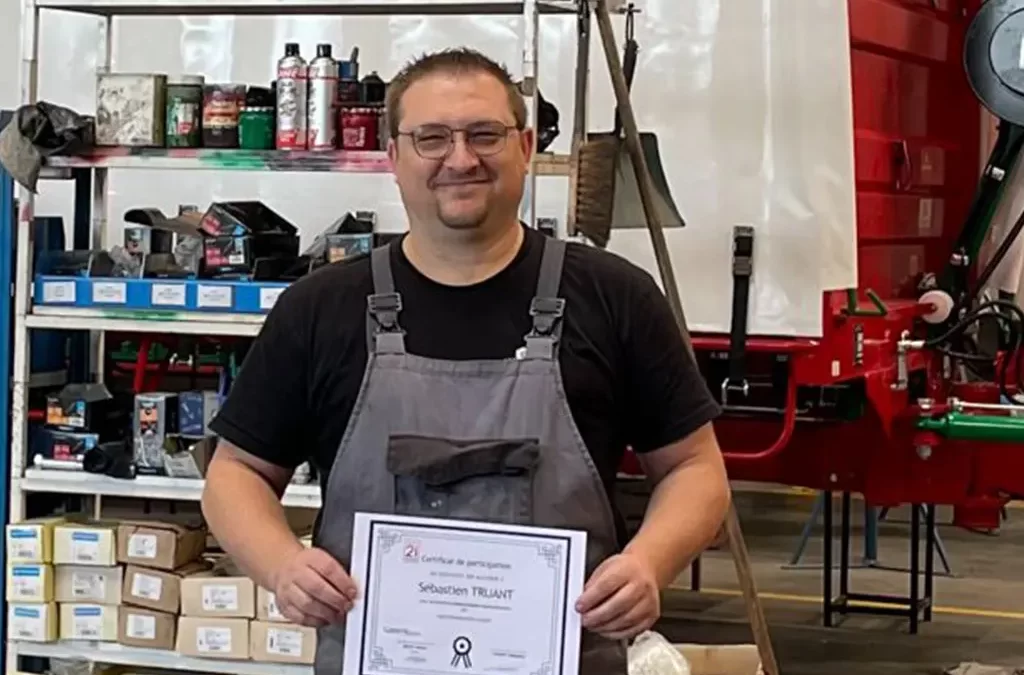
508, 128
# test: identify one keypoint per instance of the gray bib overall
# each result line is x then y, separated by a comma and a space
484, 440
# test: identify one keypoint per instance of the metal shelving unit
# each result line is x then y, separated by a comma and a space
27, 318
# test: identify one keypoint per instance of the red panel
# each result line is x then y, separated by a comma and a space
916, 125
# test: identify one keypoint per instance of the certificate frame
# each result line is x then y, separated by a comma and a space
374, 534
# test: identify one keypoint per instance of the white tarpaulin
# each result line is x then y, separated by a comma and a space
750, 100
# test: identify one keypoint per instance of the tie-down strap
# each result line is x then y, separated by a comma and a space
742, 269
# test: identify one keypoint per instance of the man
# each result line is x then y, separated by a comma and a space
517, 366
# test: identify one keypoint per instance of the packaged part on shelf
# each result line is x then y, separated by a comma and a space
157, 590
156, 417
88, 583
211, 595
158, 544
281, 643
33, 623
87, 621
31, 541
266, 606
32, 582
138, 627
187, 458
213, 638
85, 544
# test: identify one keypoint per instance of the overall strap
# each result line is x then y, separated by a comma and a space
547, 309
383, 333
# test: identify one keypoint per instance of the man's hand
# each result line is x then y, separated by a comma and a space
621, 598
313, 589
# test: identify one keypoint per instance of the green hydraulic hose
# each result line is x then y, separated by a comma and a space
962, 427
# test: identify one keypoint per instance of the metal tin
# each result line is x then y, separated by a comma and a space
222, 104
256, 129
359, 128
130, 109
185, 112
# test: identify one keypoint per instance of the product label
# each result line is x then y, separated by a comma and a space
141, 627
58, 292
27, 624
23, 544
214, 297
284, 642
220, 598
168, 295
211, 640
147, 586
109, 292
87, 623
26, 582
87, 586
85, 547
273, 613
142, 546
269, 296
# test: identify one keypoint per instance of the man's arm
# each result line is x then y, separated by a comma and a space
668, 412
262, 429
688, 504
241, 487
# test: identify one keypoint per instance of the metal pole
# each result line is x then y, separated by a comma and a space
740, 556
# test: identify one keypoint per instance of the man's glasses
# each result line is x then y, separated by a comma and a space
436, 141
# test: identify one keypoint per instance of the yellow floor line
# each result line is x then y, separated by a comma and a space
811, 493
811, 599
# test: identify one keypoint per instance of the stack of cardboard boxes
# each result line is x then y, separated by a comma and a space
31, 611
143, 584
224, 614
158, 556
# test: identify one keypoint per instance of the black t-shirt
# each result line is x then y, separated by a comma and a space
629, 378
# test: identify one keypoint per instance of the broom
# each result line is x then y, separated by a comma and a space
595, 162
583, 174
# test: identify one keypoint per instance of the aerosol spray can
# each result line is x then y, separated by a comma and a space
323, 95
292, 81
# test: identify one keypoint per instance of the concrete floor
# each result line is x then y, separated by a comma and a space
979, 613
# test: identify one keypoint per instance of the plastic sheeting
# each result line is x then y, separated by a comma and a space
750, 100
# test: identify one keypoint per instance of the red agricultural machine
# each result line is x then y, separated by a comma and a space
911, 395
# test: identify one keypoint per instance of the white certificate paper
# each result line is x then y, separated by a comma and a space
454, 597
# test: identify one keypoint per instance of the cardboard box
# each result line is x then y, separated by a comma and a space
266, 606
88, 583
31, 541
156, 589
160, 545
85, 544
281, 642
217, 596
137, 627
85, 621
216, 638
722, 659
30, 583
34, 623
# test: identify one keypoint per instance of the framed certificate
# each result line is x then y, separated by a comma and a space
454, 597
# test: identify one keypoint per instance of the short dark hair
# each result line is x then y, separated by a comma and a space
450, 61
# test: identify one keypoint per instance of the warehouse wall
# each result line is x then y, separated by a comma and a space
750, 100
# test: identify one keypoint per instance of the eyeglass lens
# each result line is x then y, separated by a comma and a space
434, 141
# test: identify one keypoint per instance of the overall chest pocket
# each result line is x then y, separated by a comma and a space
489, 480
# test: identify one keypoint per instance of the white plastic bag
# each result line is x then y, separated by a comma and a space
652, 654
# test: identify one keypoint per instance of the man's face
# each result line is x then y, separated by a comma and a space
476, 178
